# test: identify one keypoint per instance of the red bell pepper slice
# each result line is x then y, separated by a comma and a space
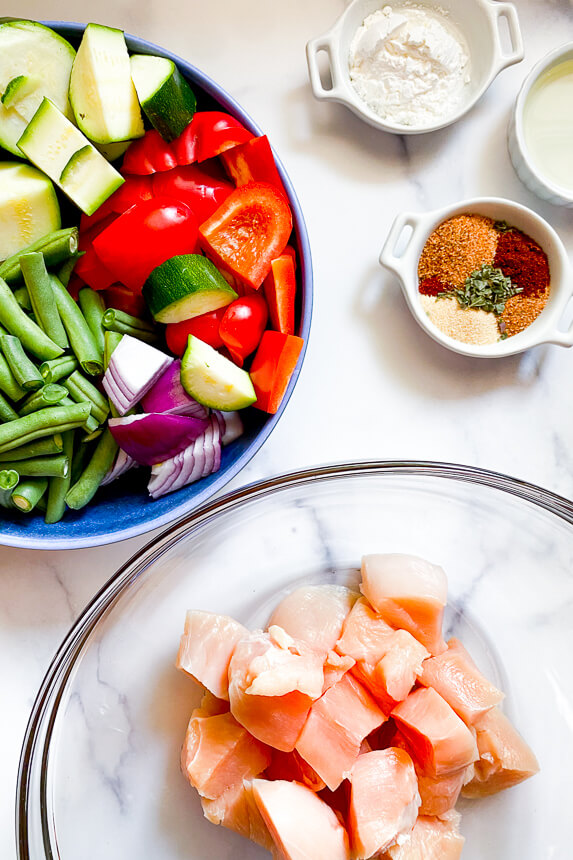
144, 237
242, 326
89, 267
208, 134
123, 299
193, 186
253, 161
250, 229
134, 190
280, 290
148, 154
272, 368
205, 327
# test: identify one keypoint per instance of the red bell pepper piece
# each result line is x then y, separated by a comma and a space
134, 190
205, 327
89, 267
148, 154
280, 289
242, 326
144, 237
123, 299
272, 368
253, 161
208, 134
193, 186
247, 231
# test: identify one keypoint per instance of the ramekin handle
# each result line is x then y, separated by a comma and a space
561, 338
399, 263
509, 12
313, 48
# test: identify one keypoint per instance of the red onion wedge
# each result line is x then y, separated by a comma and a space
123, 462
231, 426
133, 368
201, 458
168, 395
153, 437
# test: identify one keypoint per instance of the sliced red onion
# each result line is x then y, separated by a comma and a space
231, 426
133, 368
153, 437
123, 462
168, 395
201, 458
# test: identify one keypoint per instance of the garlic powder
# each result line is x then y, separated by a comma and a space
410, 65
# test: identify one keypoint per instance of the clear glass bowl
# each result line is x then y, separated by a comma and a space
99, 774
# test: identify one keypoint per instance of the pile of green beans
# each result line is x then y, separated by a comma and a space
55, 447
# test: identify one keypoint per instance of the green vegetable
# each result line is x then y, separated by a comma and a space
93, 308
8, 383
90, 425
165, 96
185, 286
213, 380
6, 411
57, 368
123, 323
29, 207
82, 391
28, 493
58, 487
101, 462
42, 297
81, 338
487, 289
48, 395
56, 247
22, 296
8, 481
45, 422
18, 323
39, 467
65, 271
25, 371
39, 448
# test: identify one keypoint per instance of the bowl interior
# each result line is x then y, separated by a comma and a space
124, 509
102, 773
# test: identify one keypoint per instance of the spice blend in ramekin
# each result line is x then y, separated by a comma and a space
480, 280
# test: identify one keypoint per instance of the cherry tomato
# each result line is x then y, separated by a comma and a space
205, 327
144, 237
242, 326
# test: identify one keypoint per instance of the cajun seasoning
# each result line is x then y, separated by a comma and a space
482, 280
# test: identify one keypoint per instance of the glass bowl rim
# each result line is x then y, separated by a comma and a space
60, 668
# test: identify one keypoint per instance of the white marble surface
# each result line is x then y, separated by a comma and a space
373, 384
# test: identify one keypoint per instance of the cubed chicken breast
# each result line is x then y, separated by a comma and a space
205, 650
365, 635
236, 810
315, 614
431, 839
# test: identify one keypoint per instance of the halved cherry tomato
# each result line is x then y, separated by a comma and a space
242, 326
247, 231
148, 154
272, 368
253, 161
144, 237
123, 299
193, 186
205, 327
280, 289
209, 133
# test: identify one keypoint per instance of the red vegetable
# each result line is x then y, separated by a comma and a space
208, 134
192, 185
89, 267
134, 190
280, 289
168, 395
253, 161
201, 458
124, 299
250, 229
144, 237
272, 368
205, 327
154, 437
148, 154
242, 326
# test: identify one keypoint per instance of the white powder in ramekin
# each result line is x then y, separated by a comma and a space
409, 65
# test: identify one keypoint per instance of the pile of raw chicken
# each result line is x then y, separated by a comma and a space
349, 727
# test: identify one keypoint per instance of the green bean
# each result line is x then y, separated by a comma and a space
91, 424
87, 484
93, 309
82, 455
45, 422
111, 339
82, 391
6, 411
58, 487
65, 271
49, 395
40, 467
81, 338
33, 339
42, 297
56, 247
7, 382
57, 368
114, 320
8, 480
25, 371
22, 296
28, 493
39, 448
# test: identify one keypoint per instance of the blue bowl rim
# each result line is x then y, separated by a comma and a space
22, 539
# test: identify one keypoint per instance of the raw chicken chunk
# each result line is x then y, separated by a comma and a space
236, 810
315, 614
384, 800
205, 650
409, 593
291, 766
392, 678
365, 636
431, 839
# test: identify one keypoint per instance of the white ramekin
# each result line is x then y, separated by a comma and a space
478, 20
408, 235
529, 174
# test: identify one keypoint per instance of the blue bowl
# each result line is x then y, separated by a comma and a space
123, 509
